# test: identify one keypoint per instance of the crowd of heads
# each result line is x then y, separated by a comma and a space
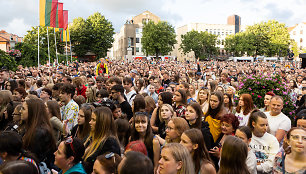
148, 117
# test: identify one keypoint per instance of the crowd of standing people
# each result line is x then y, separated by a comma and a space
150, 117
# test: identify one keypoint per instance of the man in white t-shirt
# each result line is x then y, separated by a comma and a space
279, 123
264, 145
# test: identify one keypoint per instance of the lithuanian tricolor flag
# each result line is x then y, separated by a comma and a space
48, 12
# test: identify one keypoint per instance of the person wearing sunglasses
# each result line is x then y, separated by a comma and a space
68, 156
107, 163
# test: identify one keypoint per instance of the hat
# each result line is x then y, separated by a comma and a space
134, 71
199, 73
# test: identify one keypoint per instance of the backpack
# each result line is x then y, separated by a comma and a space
43, 169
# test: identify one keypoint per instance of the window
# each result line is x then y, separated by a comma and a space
137, 49
137, 39
294, 32
301, 32
218, 33
207, 30
137, 30
301, 39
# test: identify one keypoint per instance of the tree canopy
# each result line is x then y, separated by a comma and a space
158, 39
95, 34
269, 38
202, 43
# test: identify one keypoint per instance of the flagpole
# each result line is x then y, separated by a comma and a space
48, 45
70, 45
66, 48
38, 48
55, 47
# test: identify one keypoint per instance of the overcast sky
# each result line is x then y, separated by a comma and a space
17, 16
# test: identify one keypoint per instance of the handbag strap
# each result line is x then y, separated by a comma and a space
283, 161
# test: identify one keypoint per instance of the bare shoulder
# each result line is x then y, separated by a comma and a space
208, 168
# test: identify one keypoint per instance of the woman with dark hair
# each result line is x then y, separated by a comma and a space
295, 161
193, 140
11, 148
150, 105
267, 100
228, 103
141, 130
107, 163
212, 86
102, 137
244, 108
245, 134
194, 117
11, 85
18, 167
300, 120
294, 90
68, 156
123, 132
82, 129
38, 137
214, 114
139, 104
163, 98
180, 102
55, 118
233, 164
19, 94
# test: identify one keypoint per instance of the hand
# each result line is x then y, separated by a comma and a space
66, 130
215, 151
54, 171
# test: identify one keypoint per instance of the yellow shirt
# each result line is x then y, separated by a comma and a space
214, 126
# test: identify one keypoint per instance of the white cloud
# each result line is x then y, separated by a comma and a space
17, 26
177, 12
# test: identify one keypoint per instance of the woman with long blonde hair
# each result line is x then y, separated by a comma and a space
102, 137
175, 159
91, 95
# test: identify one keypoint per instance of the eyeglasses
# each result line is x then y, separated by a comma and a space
141, 113
69, 141
204, 88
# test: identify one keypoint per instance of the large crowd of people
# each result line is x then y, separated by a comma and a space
149, 117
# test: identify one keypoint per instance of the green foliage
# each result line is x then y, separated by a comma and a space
29, 47
95, 34
202, 43
258, 85
269, 38
158, 39
7, 60
294, 48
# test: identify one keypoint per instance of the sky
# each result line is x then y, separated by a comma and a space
18, 16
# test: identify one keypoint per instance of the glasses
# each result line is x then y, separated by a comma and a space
141, 113
297, 137
69, 141
204, 88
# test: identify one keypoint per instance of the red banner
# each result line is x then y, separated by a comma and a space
60, 15
53, 13
65, 19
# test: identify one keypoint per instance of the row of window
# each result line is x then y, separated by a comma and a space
294, 32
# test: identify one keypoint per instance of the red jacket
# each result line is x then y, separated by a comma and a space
82, 91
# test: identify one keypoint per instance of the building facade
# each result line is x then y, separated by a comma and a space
298, 34
130, 36
8, 40
221, 30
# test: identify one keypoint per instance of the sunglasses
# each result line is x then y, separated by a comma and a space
69, 140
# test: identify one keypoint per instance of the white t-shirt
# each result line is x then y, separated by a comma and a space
243, 119
280, 121
251, 162
265, 149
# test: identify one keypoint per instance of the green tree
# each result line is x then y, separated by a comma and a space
294, 48
269, 38
7, 60
95, 34
29, 47
78, 36
203, 44
158, 39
